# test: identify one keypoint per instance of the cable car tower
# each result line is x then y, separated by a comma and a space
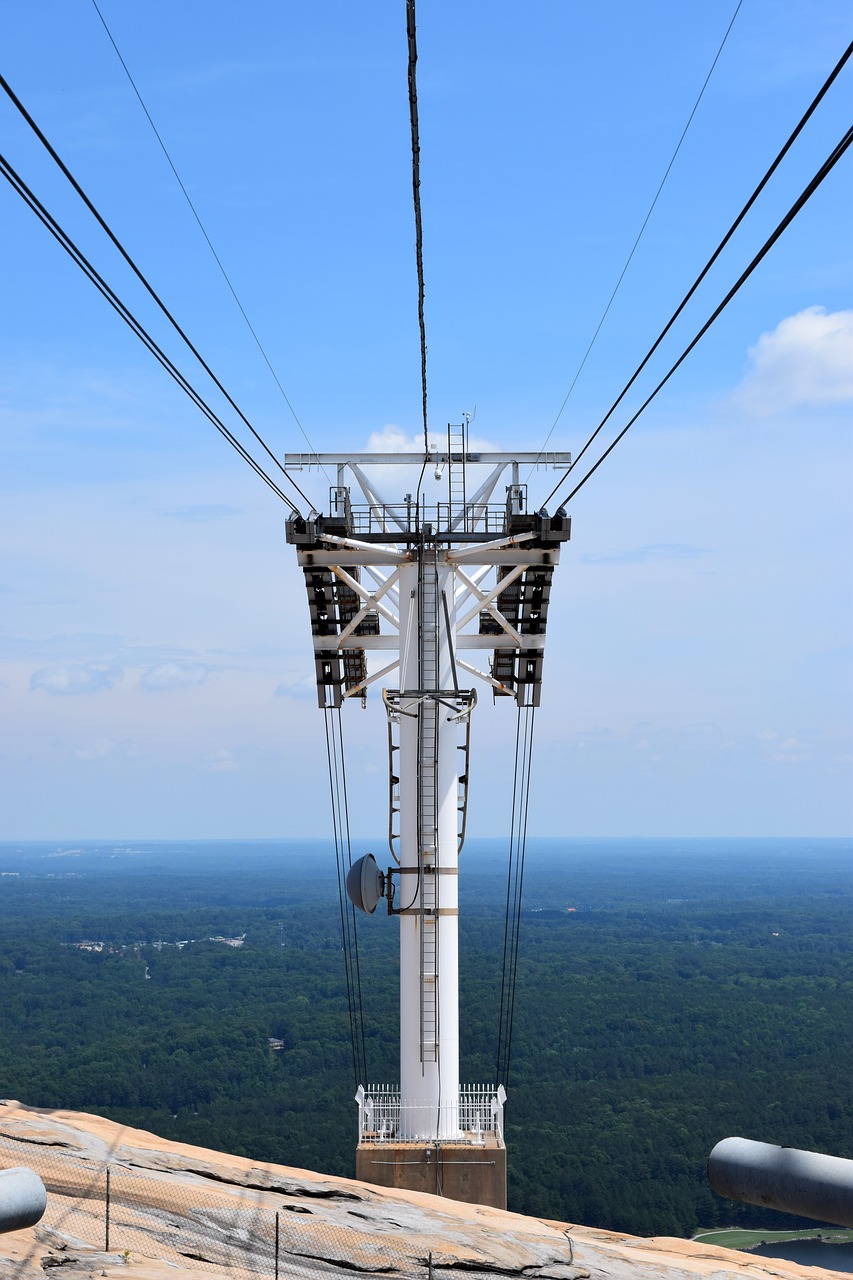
427, 582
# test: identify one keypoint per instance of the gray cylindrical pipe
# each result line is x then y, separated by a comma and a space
801, 1182
23, 1199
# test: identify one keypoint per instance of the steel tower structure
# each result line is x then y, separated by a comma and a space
426, 582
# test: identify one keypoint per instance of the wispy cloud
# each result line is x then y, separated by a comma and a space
222, 762
172, 675
807, 360
301, 687
393, 439
88, 678
101, 748
785, 749
655, 551
203, 513
81, 647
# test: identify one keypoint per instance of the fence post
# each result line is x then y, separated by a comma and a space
276, 1242
430, 1265
107, 1216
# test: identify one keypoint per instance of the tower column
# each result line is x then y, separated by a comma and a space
428, 898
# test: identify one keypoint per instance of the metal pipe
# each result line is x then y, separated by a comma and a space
801, 1182
23, 1199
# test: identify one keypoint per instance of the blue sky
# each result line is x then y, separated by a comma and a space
155, 668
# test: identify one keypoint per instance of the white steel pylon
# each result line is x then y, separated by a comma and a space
427, 580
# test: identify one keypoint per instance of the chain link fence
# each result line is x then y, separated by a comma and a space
198, 1223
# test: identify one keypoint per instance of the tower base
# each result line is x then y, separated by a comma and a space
475, 1174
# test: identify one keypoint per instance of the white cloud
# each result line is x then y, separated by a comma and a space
203, 512
299, 687
89, 678
791, 751
658, 551
785, 750
807, 360
172, 675
393, 439
222, 762
97, 751
103, 747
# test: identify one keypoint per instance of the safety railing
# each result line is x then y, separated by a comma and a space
472, 1118
401, 519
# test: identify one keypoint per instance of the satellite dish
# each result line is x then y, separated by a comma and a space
365, 884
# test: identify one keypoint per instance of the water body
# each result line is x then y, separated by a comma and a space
810, 1253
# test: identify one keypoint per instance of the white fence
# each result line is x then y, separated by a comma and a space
472, 1118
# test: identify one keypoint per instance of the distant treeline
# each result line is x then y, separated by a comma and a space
695, 992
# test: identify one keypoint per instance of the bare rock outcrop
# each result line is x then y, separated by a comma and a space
168, 1211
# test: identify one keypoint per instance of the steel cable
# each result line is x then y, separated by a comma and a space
416, 196
10, 93
639, 236
203, 230
353, 914
818, 98
826, 168
515, 887
18, 184
343, 860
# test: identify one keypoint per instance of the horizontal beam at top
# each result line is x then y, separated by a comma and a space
504, 555
297, 461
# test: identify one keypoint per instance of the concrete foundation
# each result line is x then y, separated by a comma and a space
474, 1174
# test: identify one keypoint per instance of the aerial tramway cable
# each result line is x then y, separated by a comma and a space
343, 861
818, 98
514, 887
416, 197
18, 184
639, 236
203, 230
826, 168
4, 84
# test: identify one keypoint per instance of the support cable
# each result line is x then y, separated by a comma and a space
333, 797
828, 165
523, 817
203, 230
4, 84
353, 913
416, 196
343, 860
515, 887
651, 210
509, 871
18, 184
714, 256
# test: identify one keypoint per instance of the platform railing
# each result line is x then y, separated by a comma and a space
472, 1118
401, 518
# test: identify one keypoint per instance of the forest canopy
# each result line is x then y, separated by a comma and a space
670, 993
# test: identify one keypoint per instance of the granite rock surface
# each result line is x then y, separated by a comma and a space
169, 1211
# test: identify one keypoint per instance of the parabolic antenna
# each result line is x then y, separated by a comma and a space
365, 884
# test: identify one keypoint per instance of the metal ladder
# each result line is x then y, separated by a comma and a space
428, 812
457, 447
